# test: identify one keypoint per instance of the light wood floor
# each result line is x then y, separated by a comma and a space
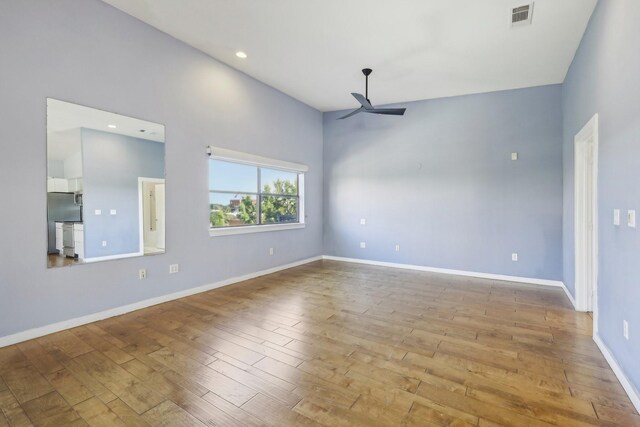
55, 260
330, 344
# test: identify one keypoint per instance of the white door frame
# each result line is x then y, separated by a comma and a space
142, 180
586, 270
161, 211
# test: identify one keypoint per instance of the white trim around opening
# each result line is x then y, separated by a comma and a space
586, 219
141, 181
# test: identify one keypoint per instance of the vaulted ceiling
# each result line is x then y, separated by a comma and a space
313, 50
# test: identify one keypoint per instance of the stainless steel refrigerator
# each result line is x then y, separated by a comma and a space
60, 207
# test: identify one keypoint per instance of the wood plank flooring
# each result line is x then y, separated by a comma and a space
327, 343
55, 260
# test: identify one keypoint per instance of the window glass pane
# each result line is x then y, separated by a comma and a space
278, 182
226, 176
278, 209
229, 210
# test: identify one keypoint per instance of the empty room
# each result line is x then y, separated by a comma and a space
320, 212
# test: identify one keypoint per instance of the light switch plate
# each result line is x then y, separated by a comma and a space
616, 217
363, 245
514, 156
514, 257
112, 212
98, 211
363, 221
631, 218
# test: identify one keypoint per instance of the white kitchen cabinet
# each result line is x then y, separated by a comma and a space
57, 185
60, 185
59, 237
75, 185
78, 240
63, 185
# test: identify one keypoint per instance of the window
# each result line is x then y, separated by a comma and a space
249, 193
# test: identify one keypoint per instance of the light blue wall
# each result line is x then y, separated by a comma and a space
88, 52
440, 183
605, 79
112, 165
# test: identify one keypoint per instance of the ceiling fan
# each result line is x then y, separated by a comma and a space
366, 106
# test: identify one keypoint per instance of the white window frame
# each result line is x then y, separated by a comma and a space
224, 154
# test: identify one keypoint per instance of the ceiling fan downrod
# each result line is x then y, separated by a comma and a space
366, 72
365, 103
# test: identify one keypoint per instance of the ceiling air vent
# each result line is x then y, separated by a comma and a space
521, 15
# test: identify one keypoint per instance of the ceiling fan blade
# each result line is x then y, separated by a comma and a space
363, 101
354, 112
390, 111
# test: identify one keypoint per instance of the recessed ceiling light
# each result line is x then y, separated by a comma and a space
240, 54
112, 126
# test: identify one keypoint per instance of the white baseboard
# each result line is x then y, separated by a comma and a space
517, 279
628, 386
83, 320
630, 389
566, 291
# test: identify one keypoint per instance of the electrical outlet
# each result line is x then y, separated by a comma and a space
270, 251
363, 221
514, 257
98, 211
514, 156
631, 218
363, 245
616, 217
173, 268
104, 243
397, 248
112, 212
142, 274
625, 329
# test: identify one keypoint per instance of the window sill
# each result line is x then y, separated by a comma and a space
253, 229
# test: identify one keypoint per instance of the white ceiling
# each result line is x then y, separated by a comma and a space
313, 50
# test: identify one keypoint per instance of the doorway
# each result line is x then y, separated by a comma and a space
151, 196
586, 218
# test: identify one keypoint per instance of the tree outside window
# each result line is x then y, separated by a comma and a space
275, 199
